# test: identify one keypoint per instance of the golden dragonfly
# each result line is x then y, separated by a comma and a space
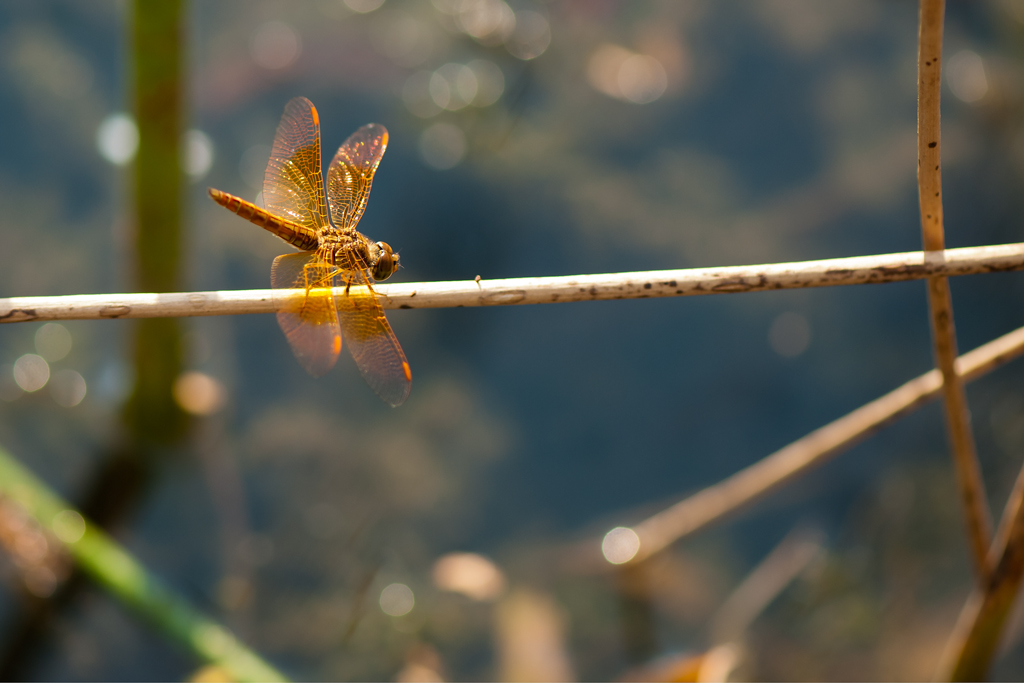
325, 292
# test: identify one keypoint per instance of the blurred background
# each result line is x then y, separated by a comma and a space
343, 539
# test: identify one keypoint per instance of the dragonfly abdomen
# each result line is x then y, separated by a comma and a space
293, 233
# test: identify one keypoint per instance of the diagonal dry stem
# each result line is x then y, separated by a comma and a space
730, 495
980, 626
763, 584
929, 182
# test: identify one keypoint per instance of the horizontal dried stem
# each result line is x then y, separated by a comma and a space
857, 270
750, 484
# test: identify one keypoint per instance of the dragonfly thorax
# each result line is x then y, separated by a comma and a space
377, 257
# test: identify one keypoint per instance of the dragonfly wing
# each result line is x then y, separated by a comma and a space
370, 340
351, 173
293, 186
306, 311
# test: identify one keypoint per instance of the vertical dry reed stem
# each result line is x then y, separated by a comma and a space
929, 180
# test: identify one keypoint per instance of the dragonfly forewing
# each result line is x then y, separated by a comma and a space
293, 185
351, 173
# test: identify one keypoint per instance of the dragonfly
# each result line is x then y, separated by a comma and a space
325, 292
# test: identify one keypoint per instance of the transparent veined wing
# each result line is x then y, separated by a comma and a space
306, 311
369, 337
293, 185
351, 173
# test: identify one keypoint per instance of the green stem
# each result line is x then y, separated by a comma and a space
99, 556
157, 47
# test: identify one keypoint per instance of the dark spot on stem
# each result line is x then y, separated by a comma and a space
115, 311
647, 285
932, 144
29, 313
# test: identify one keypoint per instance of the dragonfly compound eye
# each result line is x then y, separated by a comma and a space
386, 263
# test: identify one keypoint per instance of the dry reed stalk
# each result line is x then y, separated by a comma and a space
980, 626
929, 183
765, 582
748, 485
855, 270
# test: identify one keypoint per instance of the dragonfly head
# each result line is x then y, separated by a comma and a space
385, 261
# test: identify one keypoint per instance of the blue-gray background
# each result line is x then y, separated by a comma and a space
781, 131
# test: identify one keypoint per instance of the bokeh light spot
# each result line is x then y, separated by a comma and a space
68, 526
531, 37
31, 372
453, 86
790, 334
53, 341
440, 90
68, 388
442, 146
642, 79
965, 74
490, 22
30, 545
363, 6
470, 574
620, 545
40, 581
275, 45
197, 154
397, 600
490, 82
625, 75
198, 393
447, 6
117, 139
